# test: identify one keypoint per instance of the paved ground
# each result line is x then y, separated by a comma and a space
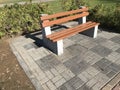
87, 63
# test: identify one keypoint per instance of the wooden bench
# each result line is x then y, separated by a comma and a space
54, 41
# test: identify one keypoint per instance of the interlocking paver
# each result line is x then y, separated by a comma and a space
60, 82
87, 43
111, 45
101, 50
49, 74
87, 63
113, 56
50, 85
116, 39
56, 78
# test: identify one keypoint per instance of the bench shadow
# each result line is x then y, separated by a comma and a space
37, 35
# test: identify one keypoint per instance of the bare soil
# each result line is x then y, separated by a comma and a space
12, 76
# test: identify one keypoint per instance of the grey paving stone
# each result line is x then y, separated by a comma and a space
30, 46
91, 82
101, 50
87, 43
100, 40
51, 86
68, 42
76, 49
78, 84
111, 45
91, 57
48, 62
107, 35
118, 50
60, 82
74, 80
111, 74
75, 67
66, 86
114, 67
84, 87
103, 63
116, 39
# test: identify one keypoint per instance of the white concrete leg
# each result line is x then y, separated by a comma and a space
95, 31
59, 47
84, 19
55, 47
46, 31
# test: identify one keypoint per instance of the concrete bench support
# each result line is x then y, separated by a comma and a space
56, 47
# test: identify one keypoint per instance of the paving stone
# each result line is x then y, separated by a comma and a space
97, 86
77, 37
74, 67
116, 39
60, 82
30, 45
100, 40
66, 56
107, 35
111, 45
67, 42
92, 71
118, 50
103, 63
83, 78
50, 85
54, 71
101, 78
67, 74
91, 82
101, 50
114, 67
111, 74
114, 56
76, 49
91, 57
87, 43
61, 68
48, 62
45, 87
56, 78
49, 74
74, 80
78, 84
84, 87
44, 80
66, 86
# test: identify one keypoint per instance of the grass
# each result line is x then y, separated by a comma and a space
10, 1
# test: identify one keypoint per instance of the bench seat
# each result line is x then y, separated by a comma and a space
71, 31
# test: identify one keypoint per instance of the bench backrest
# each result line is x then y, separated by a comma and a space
50, 20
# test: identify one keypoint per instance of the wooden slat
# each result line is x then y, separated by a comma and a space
65, 19
63, 14
66, 30
72, 30
75, 32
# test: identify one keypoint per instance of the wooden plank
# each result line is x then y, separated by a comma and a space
74, 32
63, 14
66, 30
65, 19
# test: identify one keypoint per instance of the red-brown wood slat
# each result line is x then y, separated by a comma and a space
65, 19
77, 30
63, 13
66, 30
72, 30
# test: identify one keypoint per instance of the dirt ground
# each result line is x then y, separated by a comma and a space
12, 76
